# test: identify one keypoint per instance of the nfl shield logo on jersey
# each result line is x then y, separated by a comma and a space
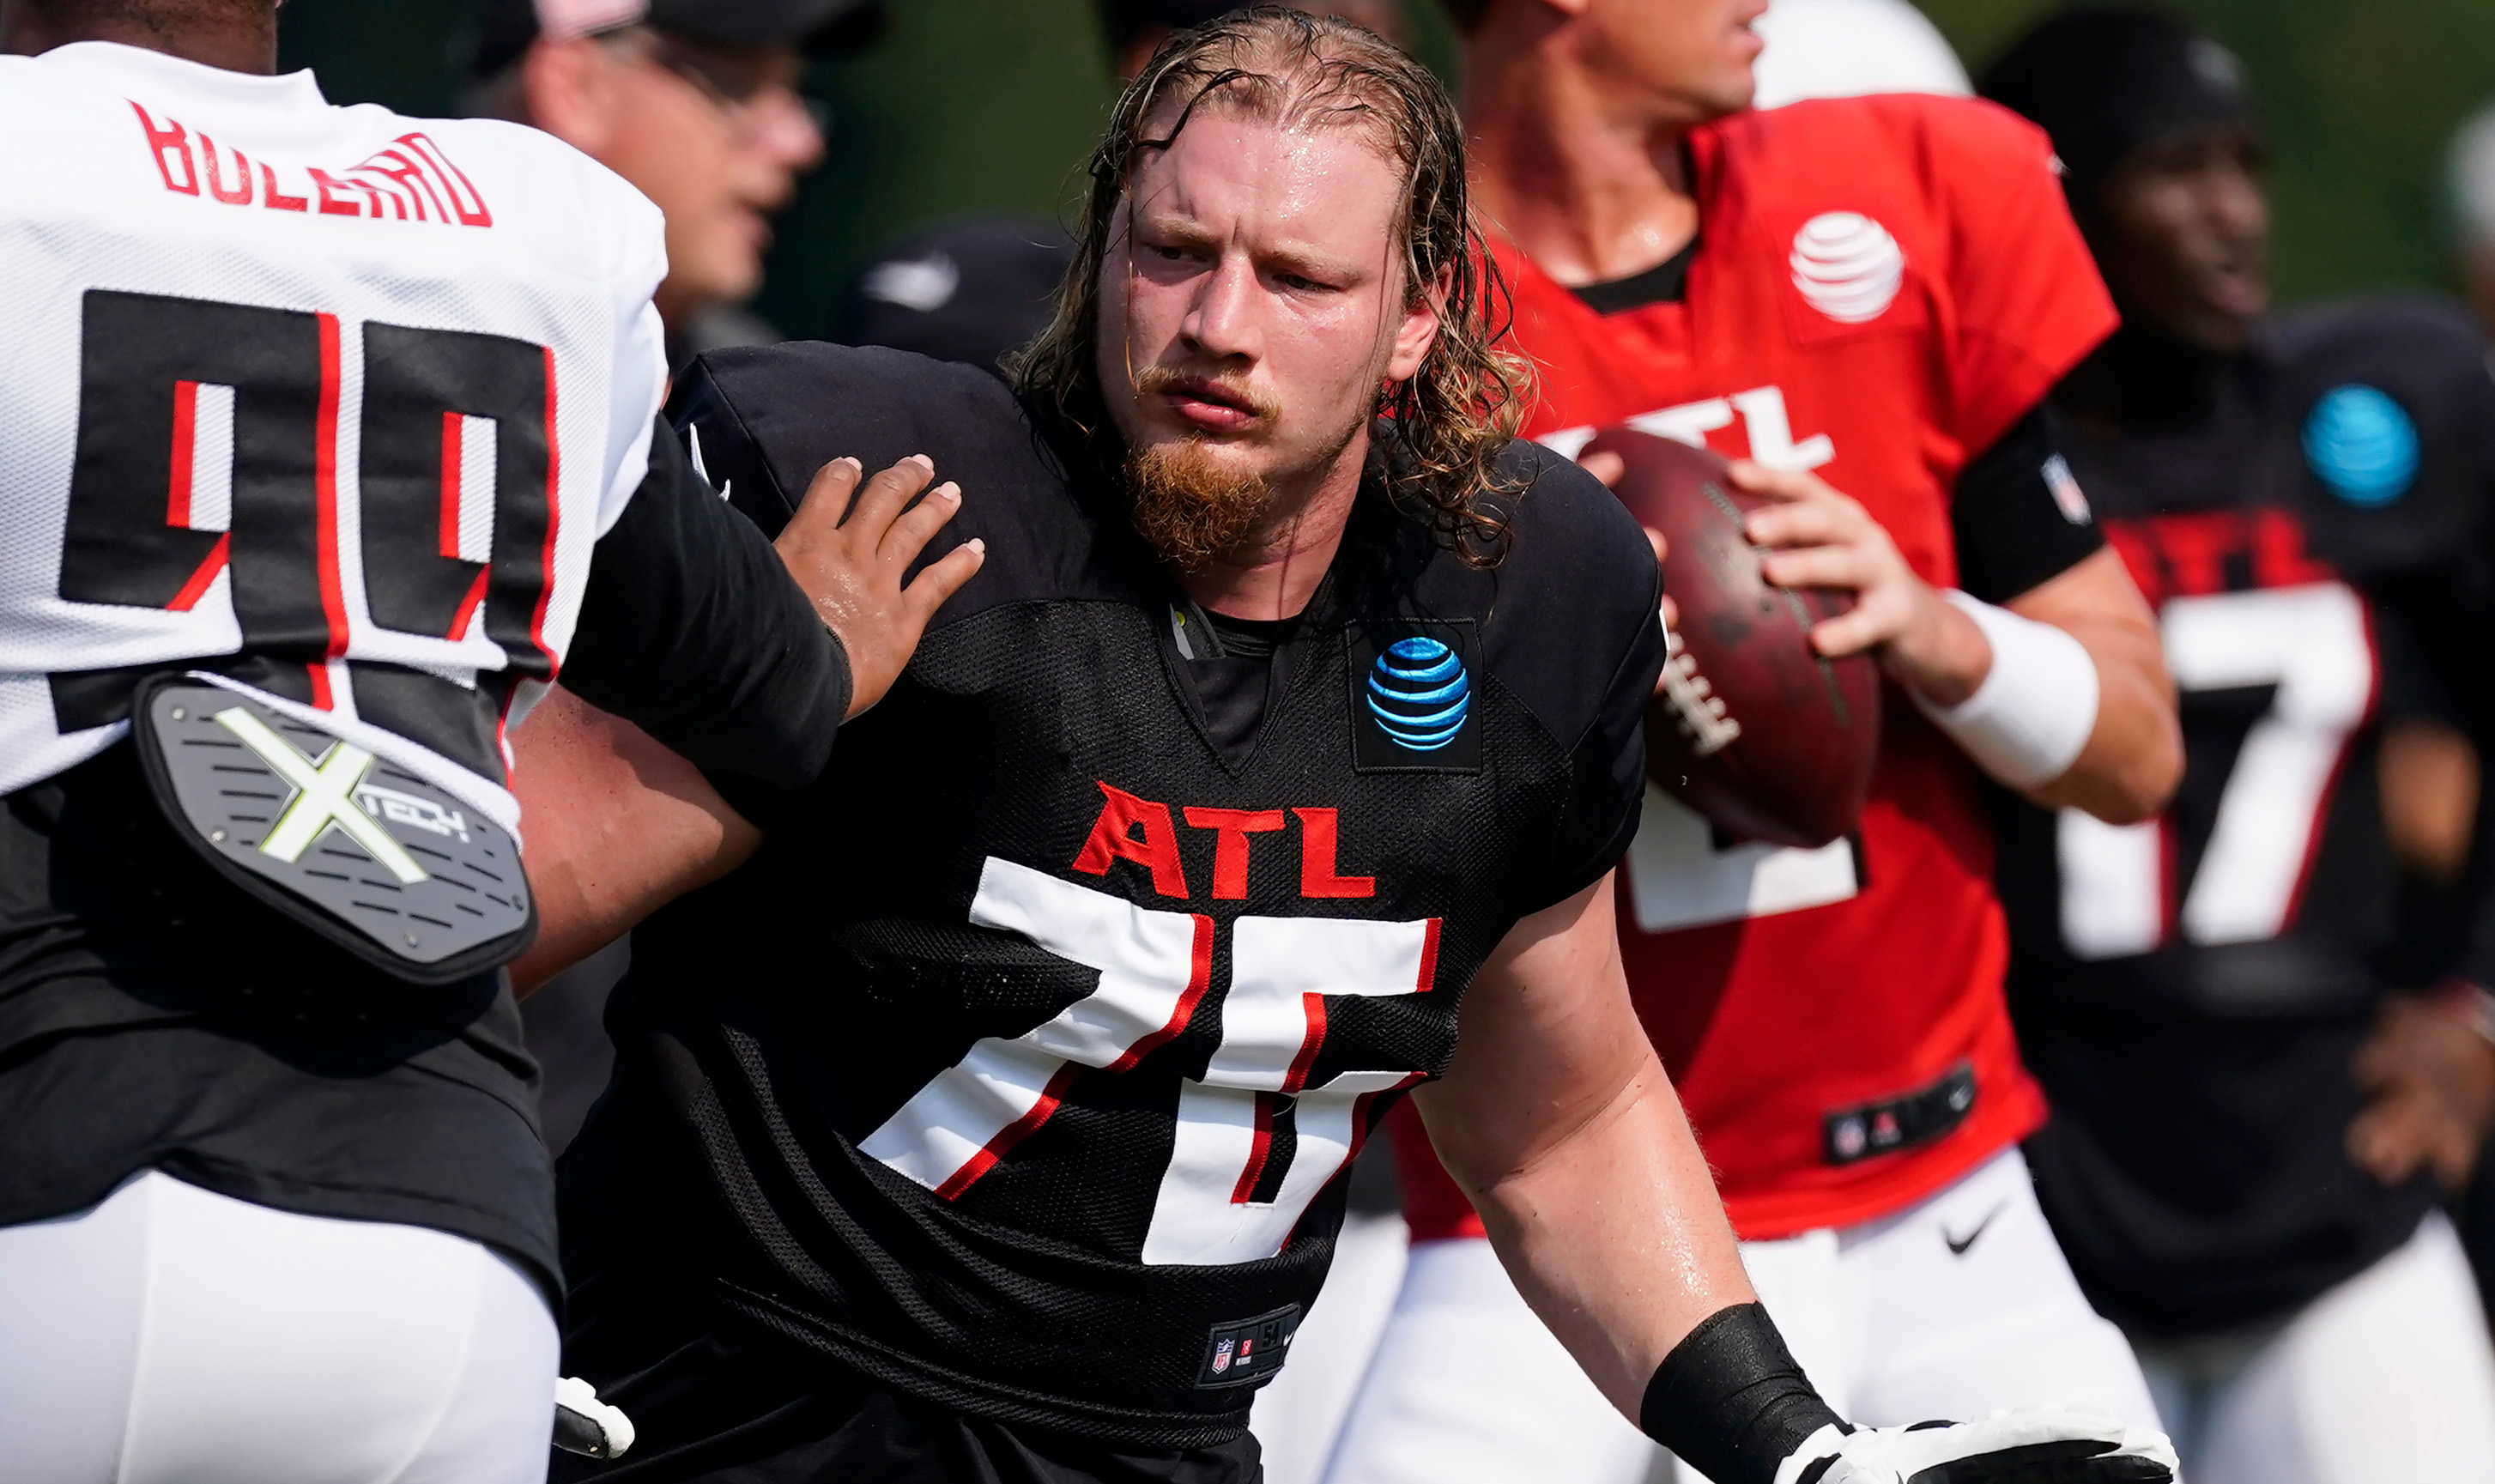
1221, 1354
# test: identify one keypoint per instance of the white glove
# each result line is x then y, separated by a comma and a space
2033, 1445
585, 1425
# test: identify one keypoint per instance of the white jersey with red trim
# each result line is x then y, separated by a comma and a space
329, 401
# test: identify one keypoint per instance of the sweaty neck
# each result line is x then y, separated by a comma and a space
1590, 189
1277, 568
233, 41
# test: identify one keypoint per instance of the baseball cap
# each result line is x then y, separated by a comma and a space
504, 29
2103, 81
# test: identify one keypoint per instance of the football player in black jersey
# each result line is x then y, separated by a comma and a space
273, 1202
986, 1118
2251, 1087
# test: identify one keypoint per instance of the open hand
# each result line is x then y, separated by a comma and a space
852, 568
1819, 536
2432, 1081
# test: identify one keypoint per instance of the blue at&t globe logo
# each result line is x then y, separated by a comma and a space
2362, 444
1420, 694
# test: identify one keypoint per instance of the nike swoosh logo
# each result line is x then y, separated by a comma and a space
1958, 1245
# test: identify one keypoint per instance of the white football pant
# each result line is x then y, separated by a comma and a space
175, 1336
2386, 1377
1955, 1308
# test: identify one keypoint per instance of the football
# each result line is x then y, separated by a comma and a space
1752, 728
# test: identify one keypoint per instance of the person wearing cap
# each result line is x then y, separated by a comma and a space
2252, 1096
695, 102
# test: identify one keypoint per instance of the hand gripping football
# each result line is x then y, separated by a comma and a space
2032, 1445
1752, 728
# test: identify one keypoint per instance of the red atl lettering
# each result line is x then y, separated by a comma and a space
1113, 838
2188, 555
2280, 557
1318, 878
1231, 828
2195, 549
1137, 829
164, 144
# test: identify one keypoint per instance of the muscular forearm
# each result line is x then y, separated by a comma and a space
1614, 1234
613, 826
1558, 1122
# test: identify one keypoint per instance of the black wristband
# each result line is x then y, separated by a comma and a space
1731, 1400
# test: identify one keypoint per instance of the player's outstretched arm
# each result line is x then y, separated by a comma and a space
614, 826
616, 823
1559, 1123
2061, 694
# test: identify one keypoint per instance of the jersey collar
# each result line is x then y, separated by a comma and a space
115, 64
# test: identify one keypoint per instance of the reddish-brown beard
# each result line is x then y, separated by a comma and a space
1192, 508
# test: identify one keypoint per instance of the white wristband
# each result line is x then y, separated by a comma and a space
2029, 719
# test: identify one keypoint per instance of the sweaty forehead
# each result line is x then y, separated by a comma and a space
1324, 186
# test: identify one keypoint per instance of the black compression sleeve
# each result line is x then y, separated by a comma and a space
692, 630
2018, 515
1731, 1400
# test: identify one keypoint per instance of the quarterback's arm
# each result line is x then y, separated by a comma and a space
614, 826
1557, 1119
2134, 756
2060, 691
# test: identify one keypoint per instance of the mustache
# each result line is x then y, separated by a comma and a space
1155, 380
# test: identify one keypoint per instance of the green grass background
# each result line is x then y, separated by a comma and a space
971, 105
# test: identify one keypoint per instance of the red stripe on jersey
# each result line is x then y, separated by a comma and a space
186, 441
2316, 827
452, 424
198, 584
321, 696
1428, 977
468, 606
333, 595
554, 511
1200, 978
1298, 1076
1011, 1134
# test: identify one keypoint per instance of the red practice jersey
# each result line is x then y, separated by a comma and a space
1882, 288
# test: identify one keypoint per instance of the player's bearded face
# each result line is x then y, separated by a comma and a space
1252, 305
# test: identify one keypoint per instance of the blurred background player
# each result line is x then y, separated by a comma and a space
695, 103
1873, 294
2253, 1096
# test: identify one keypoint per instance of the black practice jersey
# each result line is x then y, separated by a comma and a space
1020, 1070
2191, 990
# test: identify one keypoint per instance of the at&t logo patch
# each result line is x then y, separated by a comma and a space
1415, 701
1847, 266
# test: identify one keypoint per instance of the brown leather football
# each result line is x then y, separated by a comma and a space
1752, 728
